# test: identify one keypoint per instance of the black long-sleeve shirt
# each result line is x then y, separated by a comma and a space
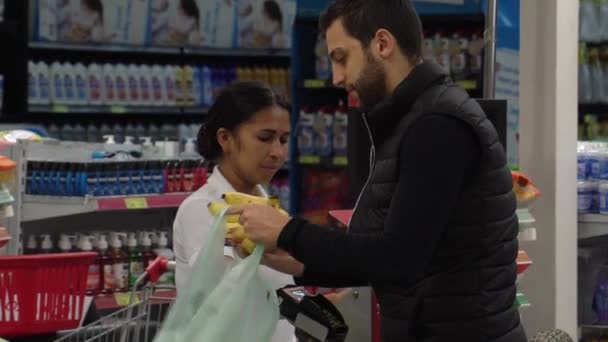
437, 158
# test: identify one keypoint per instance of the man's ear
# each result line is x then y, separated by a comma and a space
384, 43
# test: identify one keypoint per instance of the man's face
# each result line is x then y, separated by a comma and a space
354, 67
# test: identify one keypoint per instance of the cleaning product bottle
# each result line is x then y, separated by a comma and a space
44, 91
65, 244
93, 274
47, 244
147, 254
169, 78
340, 143
121, 74
109, 86
69, 82
57, 88
32, 245
188, 84
306, 132
32, 83
120, 265
180, 86
163, 251
159, 95
96, 87
107, 280
144, 73
133, 98
197, 87
93, 133
82, 85
136, 262
322, 62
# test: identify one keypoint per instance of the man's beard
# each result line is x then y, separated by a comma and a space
371, 85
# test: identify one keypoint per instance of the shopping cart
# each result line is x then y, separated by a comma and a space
141, 319
42, 293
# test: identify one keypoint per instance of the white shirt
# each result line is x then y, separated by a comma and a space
191, 228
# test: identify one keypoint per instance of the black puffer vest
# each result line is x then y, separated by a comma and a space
468, 292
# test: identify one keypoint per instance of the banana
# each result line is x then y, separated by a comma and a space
237, 198
248, 245
236, 232
216, 207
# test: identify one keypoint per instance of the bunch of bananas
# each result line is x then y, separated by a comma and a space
234, 230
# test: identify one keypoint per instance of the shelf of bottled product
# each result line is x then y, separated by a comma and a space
156, 50
592, 226
117, 109
37, 207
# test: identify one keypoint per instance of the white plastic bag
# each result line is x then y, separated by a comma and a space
223, 303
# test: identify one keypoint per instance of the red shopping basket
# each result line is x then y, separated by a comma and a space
42, 293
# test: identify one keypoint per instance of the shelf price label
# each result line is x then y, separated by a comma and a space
310, 160
60, 109
118, 110
123, 299
136, 203
340, 161
315, 83
468, 84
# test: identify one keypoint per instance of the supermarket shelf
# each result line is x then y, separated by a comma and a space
126, 110
43, 207
593, 108
592, 226
230, 52
114, 48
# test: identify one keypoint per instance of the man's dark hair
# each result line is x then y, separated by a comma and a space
362, 18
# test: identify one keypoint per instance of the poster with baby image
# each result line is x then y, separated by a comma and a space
218, 22
102, 21
175, 23
265, 23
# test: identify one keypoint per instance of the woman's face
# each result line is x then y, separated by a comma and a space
258, 148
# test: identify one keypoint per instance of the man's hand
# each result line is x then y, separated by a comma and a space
263, 224
283, 262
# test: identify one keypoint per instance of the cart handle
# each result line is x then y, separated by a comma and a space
159, 266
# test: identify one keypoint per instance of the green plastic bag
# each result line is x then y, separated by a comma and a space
221, 302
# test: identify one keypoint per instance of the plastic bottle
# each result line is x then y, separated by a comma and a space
65, 244
96, 84
306, 134
44, 83
144, 73
340, 138
46, 247
159, 94
163, 251
603, 191
93, 133
32, 245
136, 262
120, 265
109, 86
119, 133
32, 83
82, 84
94, 273
67, 132
584, 75
80, 133
169, 131
188, 84
57, 87
140, 132
169, 78
106, 267
122, 81
147, 253
154, 132
130, 131
180, 86
133, 96
207, 85
322, 61
69, 82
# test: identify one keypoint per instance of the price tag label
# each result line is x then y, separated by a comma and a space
468, 84
315, 83
60, 109
118, 110
340, 161
310, 160
136, 203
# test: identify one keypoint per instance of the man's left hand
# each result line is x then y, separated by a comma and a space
263, 224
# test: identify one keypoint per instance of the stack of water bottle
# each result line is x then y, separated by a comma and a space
592, 175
